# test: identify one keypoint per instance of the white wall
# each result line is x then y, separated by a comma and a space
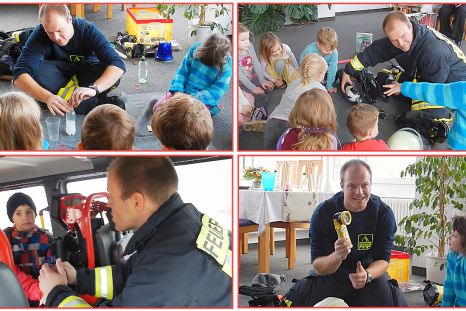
324, 11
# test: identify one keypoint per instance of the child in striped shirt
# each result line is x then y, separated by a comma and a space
205, 73
450, 95
454, 287
326, 46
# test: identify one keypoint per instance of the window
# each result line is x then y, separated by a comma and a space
208, 187
386, 181
39, 197
88, 186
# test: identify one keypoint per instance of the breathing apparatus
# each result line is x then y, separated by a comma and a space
433, 294
340, 221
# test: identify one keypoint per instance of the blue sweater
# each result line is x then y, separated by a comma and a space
332, 61
452, 96
372, 231
454, 287
88, 44
205, 83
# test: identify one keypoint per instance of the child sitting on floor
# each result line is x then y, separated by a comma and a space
363, 123
250, 71
278, 60
183, 123
313, 70
326, 46
313, 122
455, 278
450, 95
21, 110
107, 127
205, 73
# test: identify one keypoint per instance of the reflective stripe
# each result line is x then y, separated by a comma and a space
356, 64
66, 91
104, 282
455, 48
74, 302
214, 240
227, 267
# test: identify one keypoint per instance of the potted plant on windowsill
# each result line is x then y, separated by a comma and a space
440, 184
253, 173
202, 27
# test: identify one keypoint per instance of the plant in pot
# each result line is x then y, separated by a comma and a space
260, 18
253, 173
440, 185
202, 27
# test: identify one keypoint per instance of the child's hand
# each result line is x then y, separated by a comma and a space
246, 110
333, 90
258, 90
267, 85
278, 83
393, 89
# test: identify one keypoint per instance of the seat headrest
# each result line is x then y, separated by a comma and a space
11, 292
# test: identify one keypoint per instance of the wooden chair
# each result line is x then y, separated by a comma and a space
245, 227
290, 241
77, 9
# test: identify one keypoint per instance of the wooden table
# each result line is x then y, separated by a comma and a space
77, 9
266, 207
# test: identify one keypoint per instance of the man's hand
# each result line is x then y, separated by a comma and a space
345, 79
80, 94
393, 89
267, 85
359, 278
342, 248
70, 273
56, 104
48, 278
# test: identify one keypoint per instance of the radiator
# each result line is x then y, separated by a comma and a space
400, 209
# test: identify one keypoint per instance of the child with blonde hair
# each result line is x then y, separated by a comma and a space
313, 122
183, 123
312, 70
326, 46
251, 74
107, 127
204, 73
363, 123
278, 60
20, 127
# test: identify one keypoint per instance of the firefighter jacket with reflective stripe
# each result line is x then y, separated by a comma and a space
180, 258
432, 58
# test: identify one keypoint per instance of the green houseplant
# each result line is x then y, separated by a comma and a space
260, 18
198, 12
440, 183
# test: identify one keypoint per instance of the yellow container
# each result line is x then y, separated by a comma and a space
148, 25
399, 267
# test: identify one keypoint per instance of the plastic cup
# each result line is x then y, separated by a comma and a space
268, 181
53, 127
